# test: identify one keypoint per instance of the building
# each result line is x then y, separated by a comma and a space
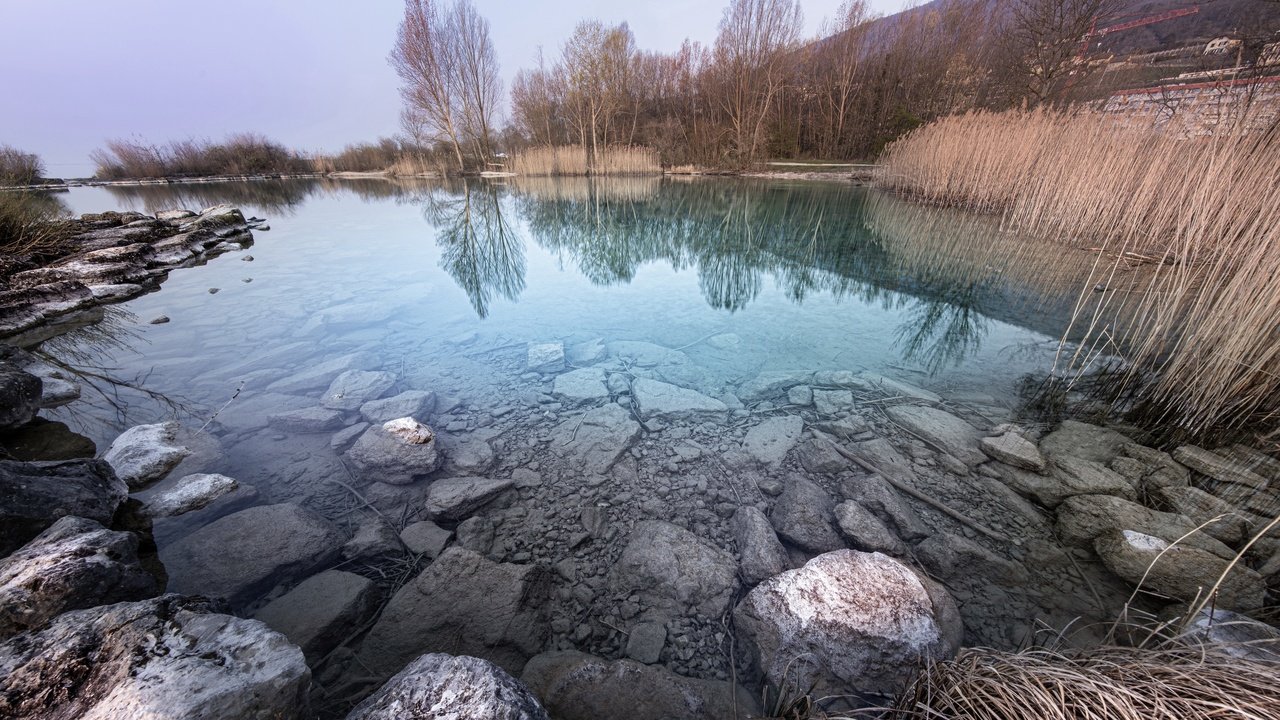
1221, 46
1270, 55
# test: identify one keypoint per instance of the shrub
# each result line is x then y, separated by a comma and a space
241, 154
18, 167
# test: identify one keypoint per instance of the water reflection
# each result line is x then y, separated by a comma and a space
479, 248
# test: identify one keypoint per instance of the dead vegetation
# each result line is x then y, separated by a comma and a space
569, 160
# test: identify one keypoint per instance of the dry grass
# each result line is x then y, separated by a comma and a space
30, 226
1198, 343
571, 160
241, 154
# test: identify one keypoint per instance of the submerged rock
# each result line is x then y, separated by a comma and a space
771, 440
1182, 573
410, 403
583, 385
593, 442
674, 571
847, 623
318, 613
373, 538
398, 452
663, 401
192, 492
425, 538
354, 388
545, 357
169, 657
577, 686
438, 686
74, 564
37, 494
456, 498
307, 420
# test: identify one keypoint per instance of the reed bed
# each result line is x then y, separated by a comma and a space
1197, 341
573, 160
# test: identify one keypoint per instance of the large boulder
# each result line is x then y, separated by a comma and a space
666, 402
577, 686
1182, 573
847, 623
36, 494
674, 571
321, 610
1083, 518
169, 657
75, 564
942, 429
397, 452
20, 393
146, 453
593, 441
804, 515
244, 554
463, 603
456, 498
437, 686
762, 555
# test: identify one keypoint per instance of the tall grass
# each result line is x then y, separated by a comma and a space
241, 154
19, 168
572, 160
1198, 337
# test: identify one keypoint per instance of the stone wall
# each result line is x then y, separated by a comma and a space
1201, 108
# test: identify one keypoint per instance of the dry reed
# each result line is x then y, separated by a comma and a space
1199, 343
572, 160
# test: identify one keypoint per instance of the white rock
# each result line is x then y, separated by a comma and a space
546, 357
144, 453
192, 492
1013, 449
439, 686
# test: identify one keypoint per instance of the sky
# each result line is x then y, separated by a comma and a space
311, 74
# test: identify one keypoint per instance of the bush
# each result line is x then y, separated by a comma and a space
242, 154
30, 224
19, 168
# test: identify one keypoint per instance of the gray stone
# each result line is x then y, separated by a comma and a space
192, 492
584, 385
145, 453
438, 686
771, 440
1083, 518
244, 554
885, 458
645, 642
74, 564
577, 686
307, 420
416, 404
466, 604
1218, 467
20, 393
321, 376
1234, 634
663, 401
390, 454
804, 515
1082, 440
456, 498
645, 354
169, 657
865, 531
832, 402
354, 388
847, 623
373, 538
1219, 518
846, 428
343, 439
772, 383
57, 392
874, 382
800, 395
319, 613
592, 442
1179, 572
820, 457
586, 353
762, 554
877, 495
477, 533
1013, 449
37, 494
425, 538
942, 429
674, 571
468, 454
545, 357
955, 558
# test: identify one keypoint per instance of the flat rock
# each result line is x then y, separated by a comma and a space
885, 458
663, 401
1182, 573
864, 531
465, 603
1081, 519
819, 457
586, 353
875, 494
545, 357
582, 385
939, 427
354, 388
1218, 467
1082, 440
1220, 519
577, 686
191, 492
674, 571
42, 440
772, 383
169, 657
762, 555
416, 404
771, 440
319, 377
373, 538
645, 642
455, 498
1234, 634
346, 437
1013, 449
645, 354
319, 613
804, 515
307, 420
874, 382
592, 442
832, 402
145, 453
847, 623
438, 686
425, 538
395, 453
37, 494
74, 564
244, 554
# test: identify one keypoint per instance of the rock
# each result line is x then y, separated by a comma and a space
398, 452
885, 458
938, 427
1235, 635
438, 686
425, 538
307, 420
354, 388
159, 320
169, 657
800, 395
674, 571
57, 392
645, 354
955, 558
865, 531
456, 498
1218, 467
545, 357
662, 401
467, 604
374, 537
41, 440
1069, 476
832, 402
318, 613
415, 404
1179, 572
819, 457
20, 393
321, 376
74, 564
762, 555
468, 455
1013, 449
192, 492
771, 440
875, 494
586, 353
577, 686
37, 494
645, 642
804, 515
145, 453
1083, 518
593, 442
1085, 441
1219, 518
769, 384
169, 528
244, 554
584, 385
847, 623
344, 438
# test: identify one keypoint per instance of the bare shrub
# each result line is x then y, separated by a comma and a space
30, 225
240, 154
19, 168
568, 160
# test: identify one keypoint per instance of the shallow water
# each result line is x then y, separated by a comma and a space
448, 285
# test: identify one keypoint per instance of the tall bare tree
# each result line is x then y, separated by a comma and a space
751, 54
479, 85
1041, 40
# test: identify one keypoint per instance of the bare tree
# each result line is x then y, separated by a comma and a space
1041, 40
750, 53
479, 86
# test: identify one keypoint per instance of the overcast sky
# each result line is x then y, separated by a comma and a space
311, 74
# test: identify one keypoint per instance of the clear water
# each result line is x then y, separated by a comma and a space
448, 284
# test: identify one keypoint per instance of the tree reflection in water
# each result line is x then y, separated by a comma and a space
479, 249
